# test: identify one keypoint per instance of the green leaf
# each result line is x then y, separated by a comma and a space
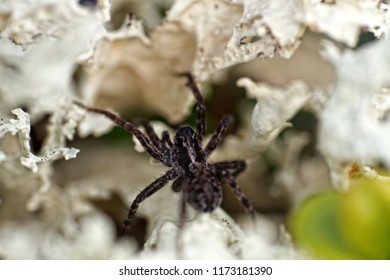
315, 227
365, 218
350, 225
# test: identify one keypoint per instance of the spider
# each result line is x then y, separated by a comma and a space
198, 180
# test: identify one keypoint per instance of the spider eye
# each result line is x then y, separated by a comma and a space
185, 133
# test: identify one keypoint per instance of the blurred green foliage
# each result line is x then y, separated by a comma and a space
350, 225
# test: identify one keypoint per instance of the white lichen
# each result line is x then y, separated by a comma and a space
274, 107
343, 20
21, 127
350, 128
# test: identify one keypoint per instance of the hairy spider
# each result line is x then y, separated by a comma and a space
198, 180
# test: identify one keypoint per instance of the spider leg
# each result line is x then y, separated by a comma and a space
145, 193
218, 135
146, 143
177, 185
234, 166
166, 139
152, 134
229, 178
182, 215
183, 206
200, 105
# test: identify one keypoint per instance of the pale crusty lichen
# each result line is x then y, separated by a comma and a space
21, 127
61, 33
207, 36
350, 129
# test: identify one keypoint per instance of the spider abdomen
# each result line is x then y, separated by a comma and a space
204, 192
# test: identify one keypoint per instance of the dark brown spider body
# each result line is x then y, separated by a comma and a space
186, 149
205, 191
198, 180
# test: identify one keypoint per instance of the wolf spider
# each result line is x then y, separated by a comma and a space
198, 180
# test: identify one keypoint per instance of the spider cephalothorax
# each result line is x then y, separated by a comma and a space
198, 180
